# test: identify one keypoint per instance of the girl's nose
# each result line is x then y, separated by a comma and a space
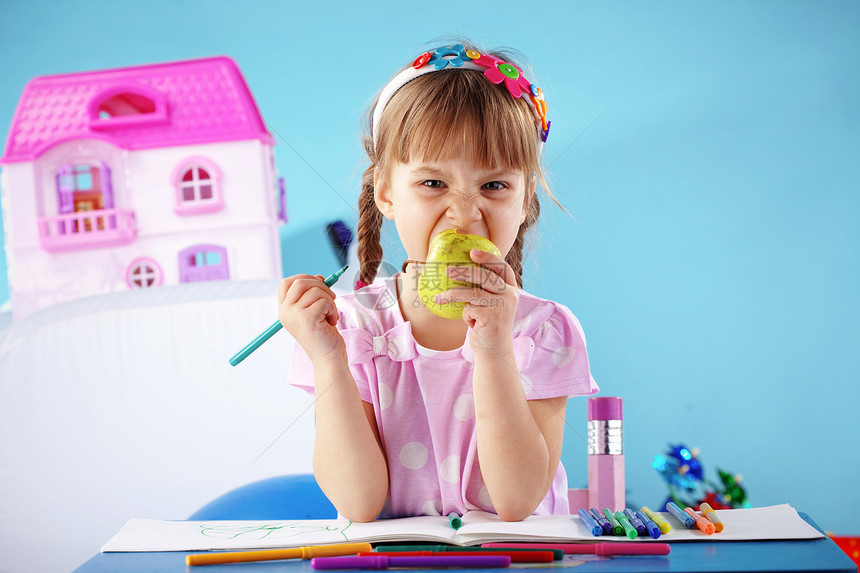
463, 211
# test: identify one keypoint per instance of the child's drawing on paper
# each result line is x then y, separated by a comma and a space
277, 530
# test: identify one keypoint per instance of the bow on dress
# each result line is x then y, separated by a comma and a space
399, 345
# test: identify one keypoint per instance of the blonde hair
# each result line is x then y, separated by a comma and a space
441, 115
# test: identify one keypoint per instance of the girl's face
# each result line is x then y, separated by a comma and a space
424, 198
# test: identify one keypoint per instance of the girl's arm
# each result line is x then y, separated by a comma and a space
519, 441
348, 461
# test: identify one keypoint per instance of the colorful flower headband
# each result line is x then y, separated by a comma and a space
457, 56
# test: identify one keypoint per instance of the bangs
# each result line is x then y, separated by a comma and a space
459, 114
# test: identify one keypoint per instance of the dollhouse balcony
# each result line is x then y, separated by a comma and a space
87, 230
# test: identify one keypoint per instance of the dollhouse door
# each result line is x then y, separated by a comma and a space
203, 263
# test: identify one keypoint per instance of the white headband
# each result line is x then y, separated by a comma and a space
457, 57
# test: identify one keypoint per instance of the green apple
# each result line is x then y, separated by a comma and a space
449, 248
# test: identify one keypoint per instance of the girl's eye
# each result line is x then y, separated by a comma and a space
433, 183
494, 186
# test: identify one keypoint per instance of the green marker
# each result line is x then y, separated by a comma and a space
616, 526
454, 520
625, 523
416, 547
557, 554
269, 332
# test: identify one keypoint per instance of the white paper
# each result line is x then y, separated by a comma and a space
775, 522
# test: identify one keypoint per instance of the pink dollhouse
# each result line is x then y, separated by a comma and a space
137, 177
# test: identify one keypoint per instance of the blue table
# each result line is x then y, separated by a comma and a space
693, 557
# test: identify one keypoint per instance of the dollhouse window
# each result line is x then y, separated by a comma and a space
198, 187
84, 187
143, 273
203, 263
83, 177
124, 105
84, 215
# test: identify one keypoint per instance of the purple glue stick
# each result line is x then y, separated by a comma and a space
606, 453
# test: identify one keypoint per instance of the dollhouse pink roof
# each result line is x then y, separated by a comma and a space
182, 103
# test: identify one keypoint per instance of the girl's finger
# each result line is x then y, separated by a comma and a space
485, 278
471, 296
312, 295
496, 264
325, 307
300, 285
284, 287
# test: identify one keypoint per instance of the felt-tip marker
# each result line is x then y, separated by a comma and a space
616, 527
276, 326
702, 523
629, 530
516, 555
708, 512
589, 523
276, 554
651, 527
680, 515
658, 519
384, 562
635, 521
616, 548
557, 554
607, 527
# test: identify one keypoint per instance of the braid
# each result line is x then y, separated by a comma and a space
515, 256
368, 230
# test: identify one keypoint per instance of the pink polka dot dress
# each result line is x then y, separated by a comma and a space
423, 401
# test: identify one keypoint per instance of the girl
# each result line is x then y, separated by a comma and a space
417, 414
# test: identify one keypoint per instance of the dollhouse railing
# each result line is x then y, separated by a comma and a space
87, 230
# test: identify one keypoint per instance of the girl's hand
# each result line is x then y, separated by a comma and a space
307, 311
491, 305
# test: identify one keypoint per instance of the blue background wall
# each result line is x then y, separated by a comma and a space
708, 152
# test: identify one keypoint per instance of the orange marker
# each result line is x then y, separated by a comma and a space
701, 522
273, 554
708, 512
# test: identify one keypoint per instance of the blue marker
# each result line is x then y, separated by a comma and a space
650, 526
680, 515
596, 530
635, 522
601, 521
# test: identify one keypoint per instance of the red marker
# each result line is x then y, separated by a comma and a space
591, 548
